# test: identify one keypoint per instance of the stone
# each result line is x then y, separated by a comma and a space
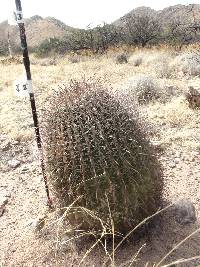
185, 212
25, 170
15, 142
14, 163
172, 165
37, 224
3, 202
5, 146
193, 97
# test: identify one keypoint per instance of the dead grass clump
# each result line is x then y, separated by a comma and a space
161, 63
74, 58
145, 88
121, 59
136, 60
99, 160
164, 70
11, 60
47, 62
188, 64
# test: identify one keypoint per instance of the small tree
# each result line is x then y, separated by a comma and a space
141, 29
106, 36
179, 34
183, 30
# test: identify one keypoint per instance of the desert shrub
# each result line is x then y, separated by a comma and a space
74, 58
193, 97
3, 49
122, 58
136, 60
161, 63
188, 63
97, 152
51, 45
164, 70
154, 58
145, 88
48, 62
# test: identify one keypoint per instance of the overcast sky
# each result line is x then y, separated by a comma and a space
80, 13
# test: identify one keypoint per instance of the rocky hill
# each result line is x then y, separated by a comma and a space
38, 29
183, 13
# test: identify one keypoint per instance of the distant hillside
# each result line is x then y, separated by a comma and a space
38, 29
183, 14
139, 11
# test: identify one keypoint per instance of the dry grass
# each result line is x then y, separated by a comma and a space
174, 122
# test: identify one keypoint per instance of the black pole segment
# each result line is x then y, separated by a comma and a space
18, 5
26, 62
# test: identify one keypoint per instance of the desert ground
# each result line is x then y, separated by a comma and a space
173, 128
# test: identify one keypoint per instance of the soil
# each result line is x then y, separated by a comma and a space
23, 244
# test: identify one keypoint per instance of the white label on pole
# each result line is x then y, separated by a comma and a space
23, 87
15, 18
19, 17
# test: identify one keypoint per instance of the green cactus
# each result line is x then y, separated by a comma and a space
94, 149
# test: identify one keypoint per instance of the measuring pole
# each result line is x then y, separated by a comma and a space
20, 22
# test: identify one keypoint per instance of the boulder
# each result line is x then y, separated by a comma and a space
185, 212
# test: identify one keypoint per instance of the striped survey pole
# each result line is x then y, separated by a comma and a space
24, 87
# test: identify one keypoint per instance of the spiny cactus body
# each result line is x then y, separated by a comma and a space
98, 154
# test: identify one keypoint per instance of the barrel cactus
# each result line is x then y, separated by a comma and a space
99, 160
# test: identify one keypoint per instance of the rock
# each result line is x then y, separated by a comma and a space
3, 202
176, 160
25, 170
15, 142
172, 164
14, 163
6, 146
185, 212
159, 146
193, 97
37, 224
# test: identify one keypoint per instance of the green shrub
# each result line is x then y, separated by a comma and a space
96, 151
51, 45
121, 59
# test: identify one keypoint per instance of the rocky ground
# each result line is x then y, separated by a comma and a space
30, 234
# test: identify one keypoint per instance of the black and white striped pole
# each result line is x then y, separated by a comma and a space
26, 87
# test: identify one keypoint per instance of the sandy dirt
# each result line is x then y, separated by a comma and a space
177, 139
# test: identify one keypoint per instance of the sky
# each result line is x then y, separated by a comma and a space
81, 13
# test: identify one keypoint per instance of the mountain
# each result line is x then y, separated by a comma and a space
38, 29
139, 11
183, 13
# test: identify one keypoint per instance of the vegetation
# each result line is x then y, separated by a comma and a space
135, 29
51, 45
99, 159
122, 58
140, 30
